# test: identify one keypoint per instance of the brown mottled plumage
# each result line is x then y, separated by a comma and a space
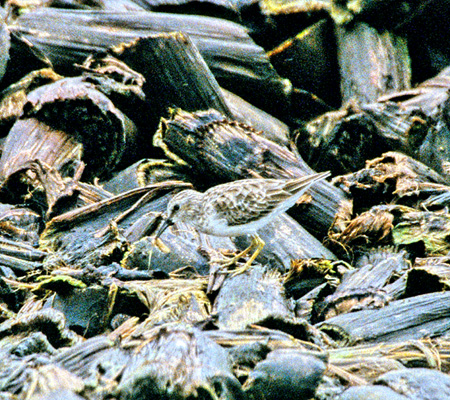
238, 208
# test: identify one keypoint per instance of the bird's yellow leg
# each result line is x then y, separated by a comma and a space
245, 252
259, 244
232, 260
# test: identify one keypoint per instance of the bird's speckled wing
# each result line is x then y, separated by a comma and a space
248, 200
245, 201
242, 202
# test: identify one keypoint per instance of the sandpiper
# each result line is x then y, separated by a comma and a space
237, 208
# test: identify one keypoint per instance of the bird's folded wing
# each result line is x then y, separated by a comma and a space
249, 203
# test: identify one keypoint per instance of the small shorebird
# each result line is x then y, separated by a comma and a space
237, 208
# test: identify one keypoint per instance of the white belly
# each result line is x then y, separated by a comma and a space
221, 228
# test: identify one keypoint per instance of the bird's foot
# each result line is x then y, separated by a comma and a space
226, 262
240, 270
257, 243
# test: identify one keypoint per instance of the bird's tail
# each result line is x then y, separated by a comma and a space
302, 184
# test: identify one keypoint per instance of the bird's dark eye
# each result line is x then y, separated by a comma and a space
176, 207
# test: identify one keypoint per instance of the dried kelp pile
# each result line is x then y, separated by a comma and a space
109, 108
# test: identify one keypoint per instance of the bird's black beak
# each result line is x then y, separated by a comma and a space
165, 224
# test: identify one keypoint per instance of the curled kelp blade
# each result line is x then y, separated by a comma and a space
31, 142
330, 61
374, 129
93, 232
19, 257
43, 188
91, 310
412, 121
174, 71
174, 74
309, 61
237, 63
368, 362
50, 323
19, 224
53, 131
428, 274
179, 248
14, 97
104, 132
395, 322
146, 172
363, 78
91, 301
243, 300
426, 111
422, 232
171, 72
48, 192
287, 371
390, 187
179, 360
378, 278
270, 127
423, 381
31, 331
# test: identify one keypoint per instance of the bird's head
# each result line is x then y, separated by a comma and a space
181, 208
